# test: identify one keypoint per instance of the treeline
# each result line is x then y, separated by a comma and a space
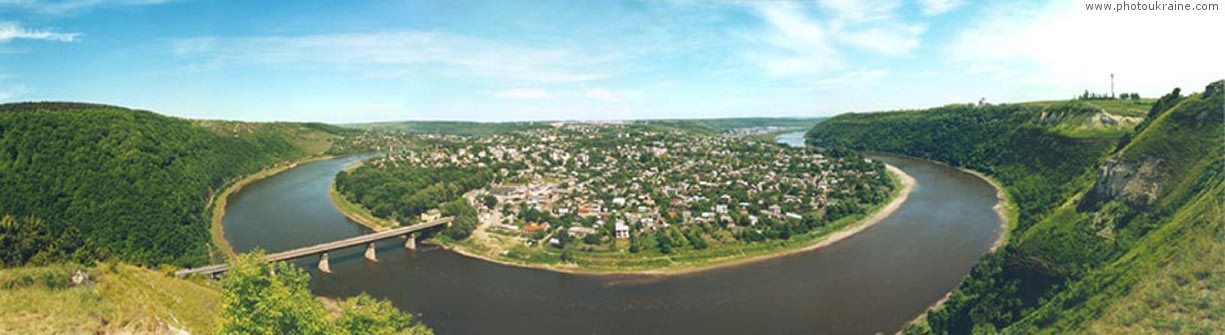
84, 181
462, 128
403, 192
1104, 96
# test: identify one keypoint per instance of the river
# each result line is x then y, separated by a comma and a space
872, 282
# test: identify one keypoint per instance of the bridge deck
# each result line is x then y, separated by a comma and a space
324, 247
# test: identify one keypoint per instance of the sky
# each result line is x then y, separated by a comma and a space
365, 61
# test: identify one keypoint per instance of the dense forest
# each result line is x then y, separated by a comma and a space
402, 193
1115, 232
85, 181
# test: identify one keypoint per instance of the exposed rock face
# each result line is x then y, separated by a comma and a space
1136, 182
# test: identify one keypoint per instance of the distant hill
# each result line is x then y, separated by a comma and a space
718, 125
82, 181
467, 128
464, 128
1117, 232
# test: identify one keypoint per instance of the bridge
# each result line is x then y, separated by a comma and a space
322, 249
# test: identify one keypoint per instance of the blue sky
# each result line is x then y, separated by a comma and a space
355, 61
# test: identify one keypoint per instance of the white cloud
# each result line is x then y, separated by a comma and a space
857, 11
1062, 45
60, 7
403, 53
13, 31
888, 39
610, 95
864, 78
524, 93
937, 7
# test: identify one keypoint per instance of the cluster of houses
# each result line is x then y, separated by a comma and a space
618, 179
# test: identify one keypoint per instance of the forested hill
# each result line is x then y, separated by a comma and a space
1119, 227
83, 181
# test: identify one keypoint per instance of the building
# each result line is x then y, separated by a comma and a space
580, 232
621, 230
431, 215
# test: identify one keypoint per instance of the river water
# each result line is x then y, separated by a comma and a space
872, 282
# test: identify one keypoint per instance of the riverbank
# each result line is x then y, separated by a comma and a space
355, 212
1004, 208
753, 253
219, 201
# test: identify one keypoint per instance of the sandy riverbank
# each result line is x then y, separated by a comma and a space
907, 183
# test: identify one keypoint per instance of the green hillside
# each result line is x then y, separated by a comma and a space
1116, 233
83, 181
718, 125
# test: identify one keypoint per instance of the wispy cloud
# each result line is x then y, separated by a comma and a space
862, 78
607, 95
801, 45
524, 93
9, 93
14, 31
804, 43
54, 7
402, 53
937, 7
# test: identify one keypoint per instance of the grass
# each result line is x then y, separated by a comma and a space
1185, 296
121, 299
1130, 108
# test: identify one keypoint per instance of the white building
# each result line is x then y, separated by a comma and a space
621, 230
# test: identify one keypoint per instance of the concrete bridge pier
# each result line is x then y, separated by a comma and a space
323, 263
370, 252
410, 241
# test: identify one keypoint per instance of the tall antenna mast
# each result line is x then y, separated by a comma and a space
1112, 86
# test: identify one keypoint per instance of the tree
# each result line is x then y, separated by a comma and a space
665, 243
489, 200
365, 315
259, 297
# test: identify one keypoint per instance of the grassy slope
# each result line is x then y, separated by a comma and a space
1097, 245
1164, 245
122, 299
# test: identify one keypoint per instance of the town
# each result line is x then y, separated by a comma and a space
576, 189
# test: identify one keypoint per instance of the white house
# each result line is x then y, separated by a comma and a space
621, 230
